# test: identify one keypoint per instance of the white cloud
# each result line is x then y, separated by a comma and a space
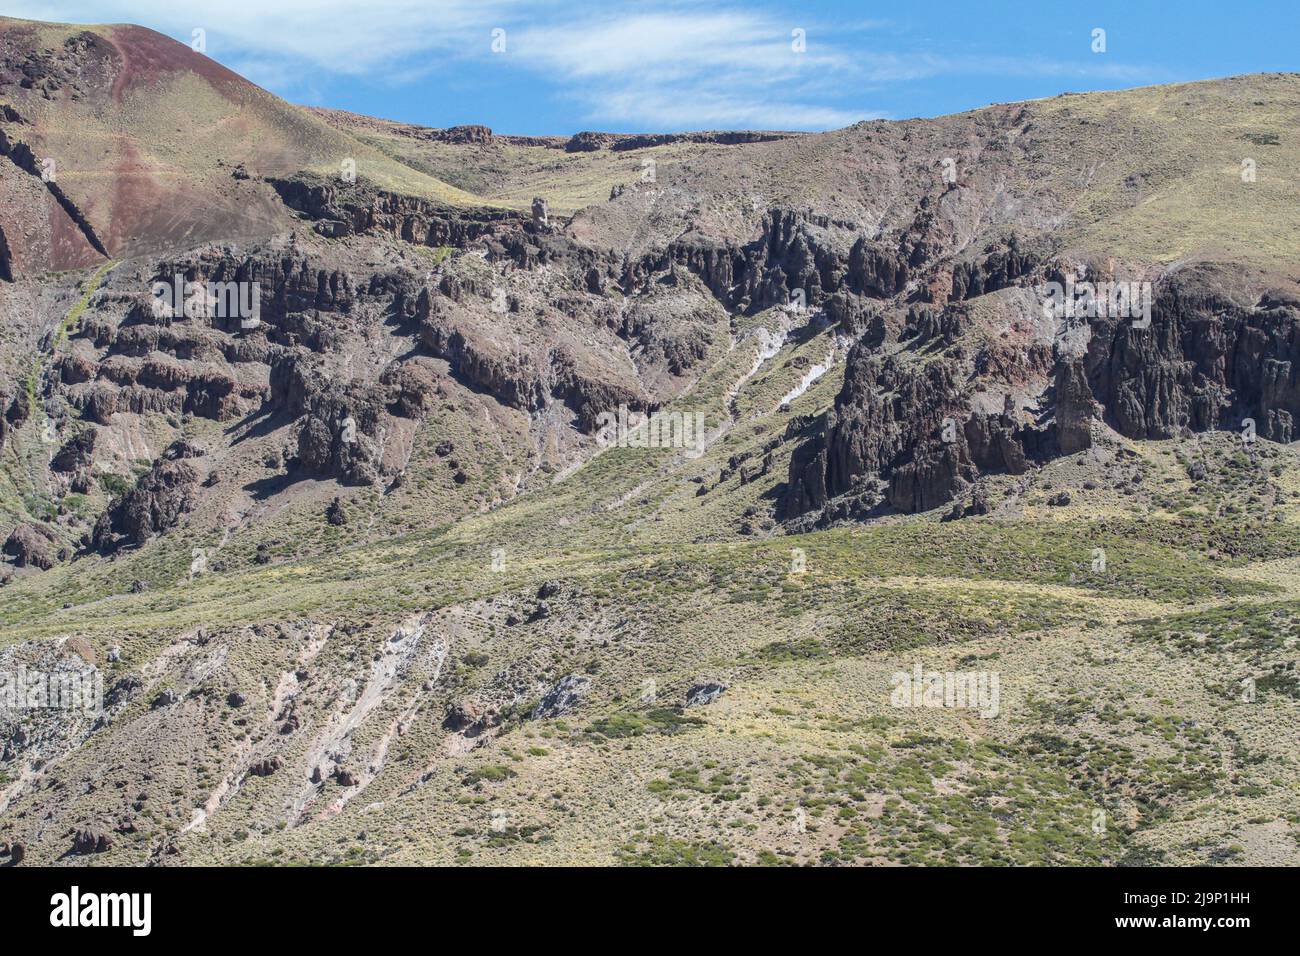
666, 111
676, 45
686, 67
675, 64
893, 68
351, 37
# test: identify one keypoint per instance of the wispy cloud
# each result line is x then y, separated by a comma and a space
349, 37
904, 67
690, 67
658, 110
675, 65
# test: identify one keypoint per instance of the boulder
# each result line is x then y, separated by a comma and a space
705, 692
165, 699
562, 697
32, 545
89, 840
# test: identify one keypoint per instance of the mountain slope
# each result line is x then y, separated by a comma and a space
159, 147
367, 583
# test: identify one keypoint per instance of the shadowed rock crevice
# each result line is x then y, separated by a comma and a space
6, 258
20, 154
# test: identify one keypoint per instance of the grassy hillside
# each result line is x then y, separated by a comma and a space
160, 146
518, 646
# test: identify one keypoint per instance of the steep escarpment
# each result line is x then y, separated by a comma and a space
342, 208
1222, 347
909, 414
390, 318
1218, 351
589, 141
343, 426
793, 254
335, 364
478, 318
317, 475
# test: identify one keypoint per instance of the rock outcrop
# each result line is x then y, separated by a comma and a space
90, 840
77, 453
32, 545
341, 209
156, 504
562, 697
704, 693
1216, 353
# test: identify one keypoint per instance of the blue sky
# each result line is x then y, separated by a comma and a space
628, 66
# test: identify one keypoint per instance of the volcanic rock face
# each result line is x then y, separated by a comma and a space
82, 64
1211, 358
341, 425
158, 501
704, 693
266, 766
588, 141
6, 259
417, 407
885, 410
471, 134
394, 302
32, 545
340, 210
1215, 355
1075, 407
77, 453
792, 252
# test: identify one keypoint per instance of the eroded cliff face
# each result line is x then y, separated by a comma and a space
6, 259
792, 252
155, 505
913, 428
340, 209
349, 353
389, 324
1219, 350
953, 370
